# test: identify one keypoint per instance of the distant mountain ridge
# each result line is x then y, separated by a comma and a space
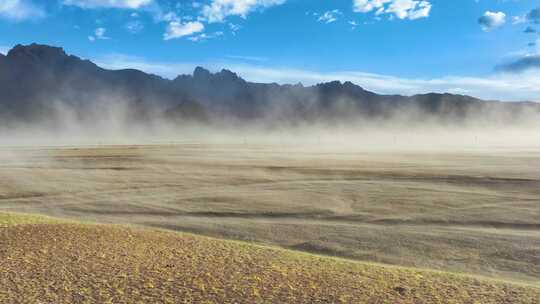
36, 78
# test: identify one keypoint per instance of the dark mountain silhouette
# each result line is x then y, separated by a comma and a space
36, 79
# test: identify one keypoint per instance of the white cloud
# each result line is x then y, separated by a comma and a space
134, 26
421, 11
180, 27
366, 6
500, 86
99, 33
219, 10
204, 36
19, 10
168, 17
519, 19
234, 28
492, 20
401, 9
177, 29
128, 4
329, 16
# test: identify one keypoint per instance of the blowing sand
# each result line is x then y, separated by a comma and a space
474, 212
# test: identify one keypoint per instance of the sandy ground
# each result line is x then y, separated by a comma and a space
475, 212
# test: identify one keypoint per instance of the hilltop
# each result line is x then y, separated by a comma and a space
47, 260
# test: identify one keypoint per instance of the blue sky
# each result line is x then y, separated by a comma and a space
475, 47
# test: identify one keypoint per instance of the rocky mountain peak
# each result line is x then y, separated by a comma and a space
201, 73
37, 51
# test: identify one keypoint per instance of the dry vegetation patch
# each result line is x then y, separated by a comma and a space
45, 262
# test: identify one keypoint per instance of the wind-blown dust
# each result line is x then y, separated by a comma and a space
470, 209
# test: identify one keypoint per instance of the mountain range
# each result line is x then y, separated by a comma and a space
37, 80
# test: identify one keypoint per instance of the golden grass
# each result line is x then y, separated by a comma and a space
47, 261
12, 219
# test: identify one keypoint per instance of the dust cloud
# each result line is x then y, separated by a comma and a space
119, 123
